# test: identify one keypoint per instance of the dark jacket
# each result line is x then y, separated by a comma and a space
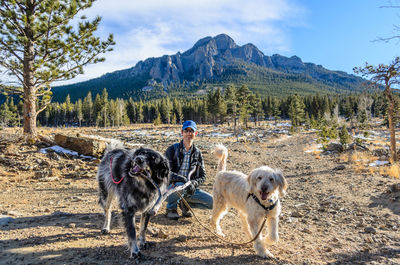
175, 154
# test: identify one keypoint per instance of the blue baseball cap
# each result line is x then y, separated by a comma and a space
189, 124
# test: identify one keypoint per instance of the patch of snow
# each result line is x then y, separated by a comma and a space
283, 124
169, 134
59, 149
141, 132
317, 148
217, 134
378, 163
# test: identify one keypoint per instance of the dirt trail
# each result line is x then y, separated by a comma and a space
331, 214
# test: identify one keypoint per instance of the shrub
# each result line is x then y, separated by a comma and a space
344, 136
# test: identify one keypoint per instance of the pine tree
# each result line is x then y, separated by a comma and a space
256, 110
276, 112
165, 108
157, 120
344, 136
231, 103
97, 106
296, 110
68, 108
87, 109
242, 96
139, 112
131, 110
216, 105
177, 110
111, 113
38, 45
6, 116
105, 111
79, 111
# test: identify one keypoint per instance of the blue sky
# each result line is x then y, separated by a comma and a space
337, 34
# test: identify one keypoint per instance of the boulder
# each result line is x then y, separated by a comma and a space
85, 145
334, 147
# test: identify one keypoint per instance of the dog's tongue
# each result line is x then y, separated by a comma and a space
136, 169
264, 195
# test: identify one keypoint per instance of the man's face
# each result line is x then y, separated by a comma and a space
188, 134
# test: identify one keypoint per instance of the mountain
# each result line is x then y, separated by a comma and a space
216, 61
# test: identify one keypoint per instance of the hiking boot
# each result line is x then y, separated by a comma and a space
172, 214
185, 210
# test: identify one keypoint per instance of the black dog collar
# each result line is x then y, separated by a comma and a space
269, 208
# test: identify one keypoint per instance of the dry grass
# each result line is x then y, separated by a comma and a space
315, 150
391, 171
11, 135
359, 161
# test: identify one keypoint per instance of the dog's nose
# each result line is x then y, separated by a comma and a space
264, 188
139, 160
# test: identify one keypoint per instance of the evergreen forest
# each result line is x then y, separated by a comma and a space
236, 105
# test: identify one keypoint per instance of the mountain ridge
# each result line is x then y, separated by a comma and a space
216, 61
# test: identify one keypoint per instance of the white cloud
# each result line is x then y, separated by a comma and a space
152, 28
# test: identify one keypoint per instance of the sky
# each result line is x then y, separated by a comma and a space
337, 34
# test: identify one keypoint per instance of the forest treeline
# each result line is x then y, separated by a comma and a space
230, 104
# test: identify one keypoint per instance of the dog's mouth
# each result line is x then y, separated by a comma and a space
135, 170
264, 195
138, 170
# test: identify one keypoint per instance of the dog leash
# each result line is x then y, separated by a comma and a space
162, 197
216, 235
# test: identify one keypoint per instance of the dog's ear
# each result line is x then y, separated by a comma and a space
281, 181
162, 167
138, 151
250, 179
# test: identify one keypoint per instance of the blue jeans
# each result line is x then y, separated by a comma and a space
200, 199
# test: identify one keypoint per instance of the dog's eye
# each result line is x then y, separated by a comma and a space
259, 178
271, 179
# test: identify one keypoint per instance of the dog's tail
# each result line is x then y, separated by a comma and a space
114, 144
221, 153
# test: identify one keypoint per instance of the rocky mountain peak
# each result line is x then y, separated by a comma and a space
219, 58
224, 42
218, 43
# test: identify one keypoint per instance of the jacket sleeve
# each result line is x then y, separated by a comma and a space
169, 154
200, 174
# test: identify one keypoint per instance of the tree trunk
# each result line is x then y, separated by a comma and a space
30, 96
393, 153
30, 113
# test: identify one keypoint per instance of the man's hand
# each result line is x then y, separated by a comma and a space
177, 178
190, 190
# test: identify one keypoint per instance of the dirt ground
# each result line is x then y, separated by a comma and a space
332, 214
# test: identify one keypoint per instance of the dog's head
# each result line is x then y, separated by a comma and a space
264, 182
146, 161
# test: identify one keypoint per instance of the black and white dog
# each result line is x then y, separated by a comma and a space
137, 178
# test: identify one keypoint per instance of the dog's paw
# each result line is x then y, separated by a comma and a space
266, 254
220, 233
147, 245
135, 256
105, 231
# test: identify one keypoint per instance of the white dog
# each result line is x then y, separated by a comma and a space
255, 197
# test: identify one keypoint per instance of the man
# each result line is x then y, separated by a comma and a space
186, 162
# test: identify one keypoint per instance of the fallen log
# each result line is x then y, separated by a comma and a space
46, 140
85, 145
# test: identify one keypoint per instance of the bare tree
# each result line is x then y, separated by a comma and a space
389, 76
396, 28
